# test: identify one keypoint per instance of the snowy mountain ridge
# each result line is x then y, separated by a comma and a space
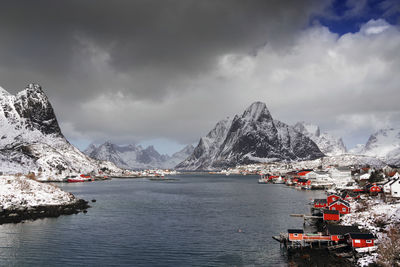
327, 143
135, 156
253, 136
31, 139
384, 144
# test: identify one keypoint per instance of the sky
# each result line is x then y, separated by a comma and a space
165, 72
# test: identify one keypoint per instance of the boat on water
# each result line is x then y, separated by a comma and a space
263, 179
279, 180
79, 179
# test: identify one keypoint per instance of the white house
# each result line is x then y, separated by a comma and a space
318, 177
386, 186
395, 188
340, 174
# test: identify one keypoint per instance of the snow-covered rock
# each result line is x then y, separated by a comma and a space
16, 192
253, 136
135, 156
327, 143
377, 217
31, 139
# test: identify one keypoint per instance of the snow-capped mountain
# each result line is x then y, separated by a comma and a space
135, 156
328, 144
31, 139
357, 150
384, 144
253, 136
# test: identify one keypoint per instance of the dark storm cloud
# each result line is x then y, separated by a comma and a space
165, 38
138, 70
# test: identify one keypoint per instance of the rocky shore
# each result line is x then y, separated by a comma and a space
22, 199
42, 211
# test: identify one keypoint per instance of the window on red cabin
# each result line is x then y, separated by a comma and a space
333, 208
295, 235
333, 198
369, 241
343, 209
357, 241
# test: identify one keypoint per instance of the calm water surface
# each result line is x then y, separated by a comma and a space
190, 222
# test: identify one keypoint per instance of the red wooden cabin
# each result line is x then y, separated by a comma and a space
373, 188
303, 173
360, 240
340, 205
338, 232
303, 182
295, 234
320, 203
332, 198
331, 215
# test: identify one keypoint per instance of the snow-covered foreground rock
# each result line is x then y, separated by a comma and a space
23, 198
31, 139
375, 216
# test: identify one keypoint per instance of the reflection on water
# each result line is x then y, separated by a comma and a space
196, 221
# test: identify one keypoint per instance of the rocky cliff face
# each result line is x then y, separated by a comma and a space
135, 156
327, 143
253, 136
31, 139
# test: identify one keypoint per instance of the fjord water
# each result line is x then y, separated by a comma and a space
198, 220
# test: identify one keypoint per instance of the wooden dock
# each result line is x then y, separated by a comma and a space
307, 240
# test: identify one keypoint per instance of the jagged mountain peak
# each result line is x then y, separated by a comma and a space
308, 128
256, 111
3, 92
327, 143
31, 138
382, 142
251, 137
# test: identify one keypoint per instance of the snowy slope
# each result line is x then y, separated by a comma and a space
343, 160
31, 139
357, 149
21, 191
135, 156
253, 136
384, 144
327, 143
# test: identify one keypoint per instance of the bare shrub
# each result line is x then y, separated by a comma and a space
380, 221
31, 176
389, 249
362, 205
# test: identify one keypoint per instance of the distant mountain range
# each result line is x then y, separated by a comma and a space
253, 136
137, 157
327, 143
31, 139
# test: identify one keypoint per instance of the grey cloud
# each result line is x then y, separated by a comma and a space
136, 70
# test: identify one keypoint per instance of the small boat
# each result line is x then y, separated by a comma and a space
263, 179
278, 180
80, 179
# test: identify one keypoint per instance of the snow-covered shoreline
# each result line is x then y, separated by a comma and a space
22, 198
378, 217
